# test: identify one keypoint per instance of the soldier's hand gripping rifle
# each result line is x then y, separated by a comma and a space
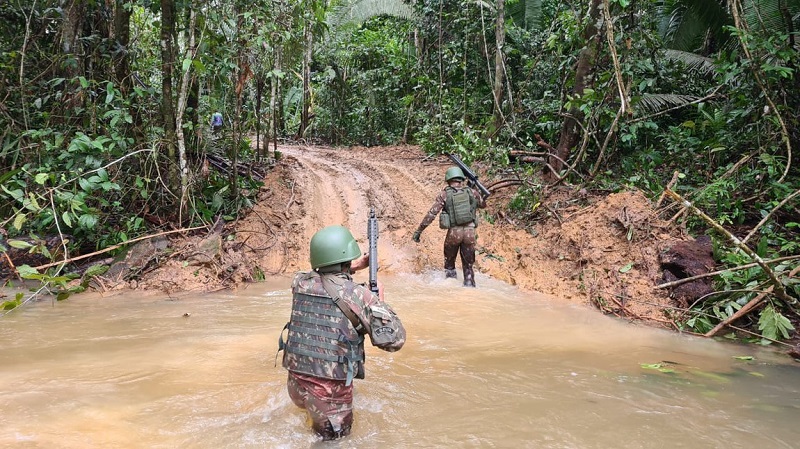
471, 175
372, 234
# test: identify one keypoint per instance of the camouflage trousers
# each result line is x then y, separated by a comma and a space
329, 403
460, 240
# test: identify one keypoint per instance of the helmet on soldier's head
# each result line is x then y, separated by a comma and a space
332, 245
452, 173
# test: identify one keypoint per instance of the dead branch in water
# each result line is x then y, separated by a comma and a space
119, 245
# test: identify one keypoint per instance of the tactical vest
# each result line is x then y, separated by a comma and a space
321, 341
460, 206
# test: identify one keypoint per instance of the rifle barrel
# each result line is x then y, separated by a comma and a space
372, 234
470, 174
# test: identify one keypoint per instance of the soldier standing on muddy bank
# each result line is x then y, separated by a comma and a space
458, 204
324, 348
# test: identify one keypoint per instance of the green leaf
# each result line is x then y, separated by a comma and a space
626, 268
19, 220
19, 244
651, 365
773, 325
17, 194
41, 178
32, 204
199, 67
65, 217
87, 221
186, 64
96, 270
27, 272
86, 185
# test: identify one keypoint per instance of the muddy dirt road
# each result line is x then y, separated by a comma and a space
598, 251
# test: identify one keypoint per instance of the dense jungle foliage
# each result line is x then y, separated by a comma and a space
105, 109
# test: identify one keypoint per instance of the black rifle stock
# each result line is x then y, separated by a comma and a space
471, 175
372, 234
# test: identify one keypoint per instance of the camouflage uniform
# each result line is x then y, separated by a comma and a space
459, 239
324, 351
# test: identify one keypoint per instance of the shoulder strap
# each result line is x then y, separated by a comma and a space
328, 285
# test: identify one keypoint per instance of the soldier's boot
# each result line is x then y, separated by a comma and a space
330, 432
469, 277
450, 273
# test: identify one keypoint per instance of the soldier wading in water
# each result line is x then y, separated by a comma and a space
324, 347
458, 204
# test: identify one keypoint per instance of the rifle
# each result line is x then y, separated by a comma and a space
471, 175
372, 234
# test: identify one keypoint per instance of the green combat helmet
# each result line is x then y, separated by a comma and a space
332, 245
453, 172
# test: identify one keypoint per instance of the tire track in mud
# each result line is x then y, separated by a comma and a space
339, 186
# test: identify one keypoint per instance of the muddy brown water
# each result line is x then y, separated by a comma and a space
486, 367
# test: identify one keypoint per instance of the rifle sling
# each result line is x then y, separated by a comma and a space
330, 288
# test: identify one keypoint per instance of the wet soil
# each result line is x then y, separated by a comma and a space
600, 250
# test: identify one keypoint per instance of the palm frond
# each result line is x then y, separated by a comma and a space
359, 11
654, 103
526, 14
693, 61
768, 15
686, 24
292, 97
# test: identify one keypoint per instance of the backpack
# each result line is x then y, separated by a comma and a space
459, 208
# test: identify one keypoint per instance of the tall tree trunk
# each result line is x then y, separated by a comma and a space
121, 64
259, 93
167, 74
183, 95
193, 100
122, 37
193, 108
570, 129
241, 77
74, 13
274, 112
280, 119
440, 90
308, 39
499, 64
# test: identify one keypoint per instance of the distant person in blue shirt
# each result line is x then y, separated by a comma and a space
216, 122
